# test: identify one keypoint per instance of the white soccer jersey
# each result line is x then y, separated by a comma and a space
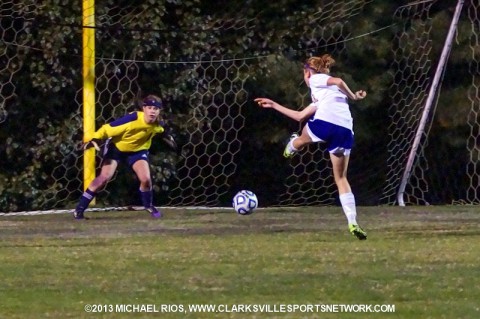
332, 104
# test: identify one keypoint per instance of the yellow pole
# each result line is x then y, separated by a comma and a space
88, 35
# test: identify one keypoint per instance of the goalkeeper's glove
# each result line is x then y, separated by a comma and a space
94, 142
168, 139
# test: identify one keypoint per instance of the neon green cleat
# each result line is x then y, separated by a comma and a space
287, 152
357, 231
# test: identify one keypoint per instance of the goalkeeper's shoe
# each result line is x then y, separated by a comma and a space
288, 152
357, 231
154, 212
78, 215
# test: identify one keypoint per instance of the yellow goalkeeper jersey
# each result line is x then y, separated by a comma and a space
130, 133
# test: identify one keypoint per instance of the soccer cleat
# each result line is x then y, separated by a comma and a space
287, 153
154, 212
78, 215
357, 231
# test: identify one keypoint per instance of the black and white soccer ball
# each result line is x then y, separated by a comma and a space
245, 202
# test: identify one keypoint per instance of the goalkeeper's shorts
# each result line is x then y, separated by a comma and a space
111, 152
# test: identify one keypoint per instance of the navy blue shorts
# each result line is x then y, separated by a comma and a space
339, 139
113, 153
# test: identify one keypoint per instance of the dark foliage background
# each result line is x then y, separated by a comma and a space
41, 76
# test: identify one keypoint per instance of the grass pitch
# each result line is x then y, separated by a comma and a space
423, 260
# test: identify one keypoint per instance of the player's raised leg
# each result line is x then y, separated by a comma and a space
290, 150
297, 143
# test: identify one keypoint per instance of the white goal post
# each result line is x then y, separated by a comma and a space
431, 99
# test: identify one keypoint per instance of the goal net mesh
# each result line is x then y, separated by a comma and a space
207, 88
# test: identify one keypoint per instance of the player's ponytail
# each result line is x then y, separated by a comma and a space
327, 61
321, 64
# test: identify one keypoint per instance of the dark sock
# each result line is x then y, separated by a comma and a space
147, 197
85, 200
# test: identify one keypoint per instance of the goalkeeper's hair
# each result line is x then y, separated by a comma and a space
152, 100
141, 102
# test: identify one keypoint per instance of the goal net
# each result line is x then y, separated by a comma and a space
445, 166
208, 64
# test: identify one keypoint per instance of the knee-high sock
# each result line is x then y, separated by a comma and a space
85, 200
147, 198
348, 204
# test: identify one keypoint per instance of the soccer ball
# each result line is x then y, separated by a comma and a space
245, 202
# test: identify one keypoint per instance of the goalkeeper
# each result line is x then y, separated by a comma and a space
329, 122
128, 140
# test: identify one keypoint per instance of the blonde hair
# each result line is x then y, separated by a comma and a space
321, 64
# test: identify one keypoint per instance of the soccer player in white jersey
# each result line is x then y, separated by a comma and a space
330, 122
128, 140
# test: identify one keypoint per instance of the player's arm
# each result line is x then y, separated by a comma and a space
116, 128
358, 95
295, 115
112, 129
97, 138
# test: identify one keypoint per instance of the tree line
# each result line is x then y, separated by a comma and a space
42, 83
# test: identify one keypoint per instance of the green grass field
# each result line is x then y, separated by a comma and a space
423, 260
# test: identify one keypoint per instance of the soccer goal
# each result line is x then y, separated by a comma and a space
416, 135
420, 169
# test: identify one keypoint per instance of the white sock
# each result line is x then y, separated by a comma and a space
348, 204
290, 146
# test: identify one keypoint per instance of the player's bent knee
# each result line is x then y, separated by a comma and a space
146, 184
